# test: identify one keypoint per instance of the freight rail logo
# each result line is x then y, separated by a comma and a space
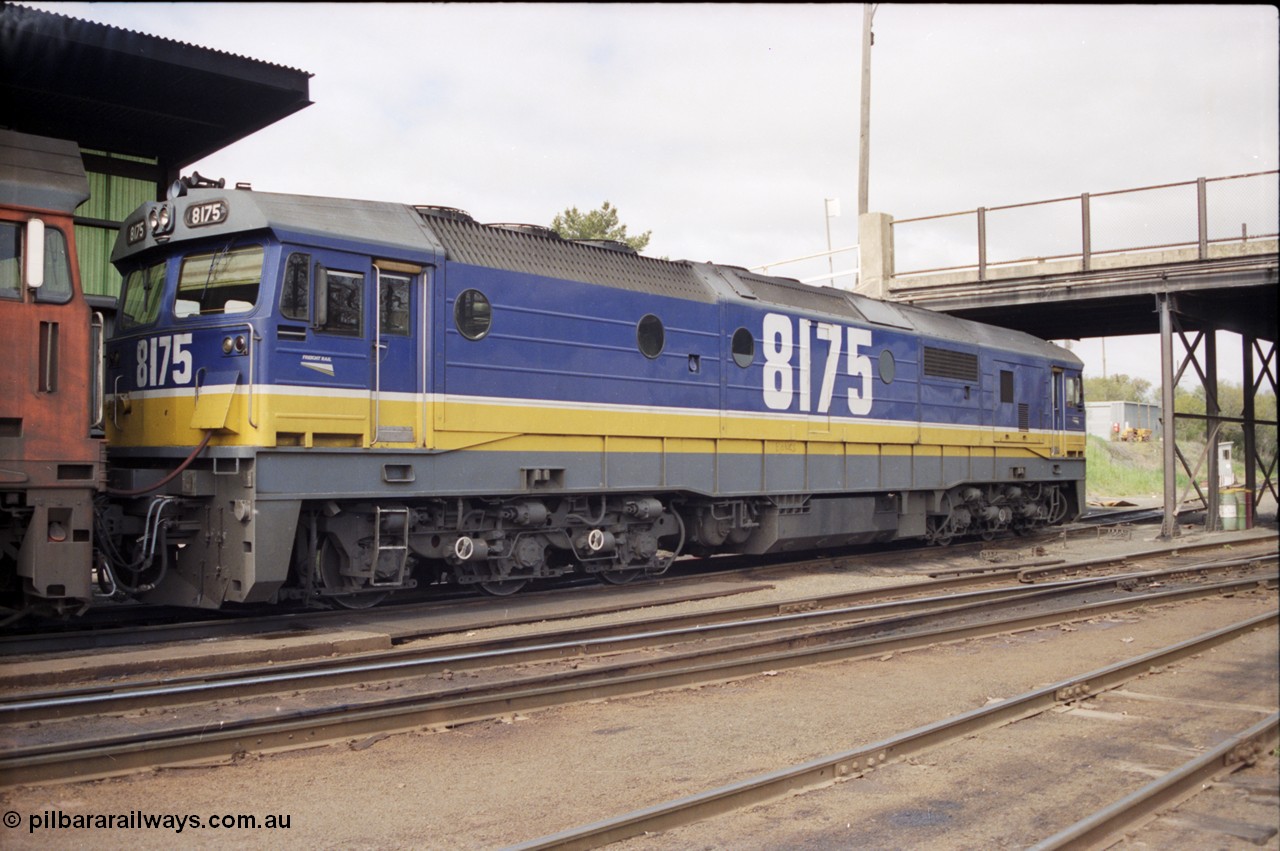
320, 363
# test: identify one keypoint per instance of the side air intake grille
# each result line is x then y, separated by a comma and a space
945, 363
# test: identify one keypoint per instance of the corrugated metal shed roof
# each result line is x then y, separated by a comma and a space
125, 92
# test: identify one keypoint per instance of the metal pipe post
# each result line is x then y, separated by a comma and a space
1169, 525
864, 130
1212, 426
1248, 415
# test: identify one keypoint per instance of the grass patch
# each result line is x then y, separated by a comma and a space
1115, 469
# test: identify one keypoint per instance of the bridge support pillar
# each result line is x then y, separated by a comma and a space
875, 255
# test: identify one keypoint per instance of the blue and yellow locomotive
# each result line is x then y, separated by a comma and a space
313, 398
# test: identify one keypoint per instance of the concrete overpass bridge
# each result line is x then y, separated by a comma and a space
1181, 260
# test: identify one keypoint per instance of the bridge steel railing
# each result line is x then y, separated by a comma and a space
1190, 214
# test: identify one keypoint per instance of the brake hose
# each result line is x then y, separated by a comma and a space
169, 478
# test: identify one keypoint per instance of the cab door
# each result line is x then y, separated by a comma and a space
322, 350
1058, 417
398, 354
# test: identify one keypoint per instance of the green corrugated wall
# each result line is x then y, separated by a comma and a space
111, 198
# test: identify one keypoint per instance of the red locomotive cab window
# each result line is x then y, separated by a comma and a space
56, 288
223, 281
57, 269
10, 260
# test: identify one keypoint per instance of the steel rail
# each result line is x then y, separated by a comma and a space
212, 624
207, 624
200, 743
850, 763
1038, 572
408, 662
1110, 823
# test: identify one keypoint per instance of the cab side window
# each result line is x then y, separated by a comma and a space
10, 260
339, 302
57, 265
394, 304
57, 268
140, 302
1075, 391
295, 292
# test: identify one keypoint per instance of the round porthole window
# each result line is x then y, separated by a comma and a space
650, 336
472, 314
888, 368
744, 348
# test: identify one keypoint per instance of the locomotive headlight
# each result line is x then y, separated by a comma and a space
227, 345
242, 345
160, 219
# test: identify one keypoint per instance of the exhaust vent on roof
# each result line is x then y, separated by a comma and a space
531, 230
609, 244
451, 213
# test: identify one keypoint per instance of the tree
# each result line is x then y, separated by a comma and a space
1230, 404
597, 224
1118, 388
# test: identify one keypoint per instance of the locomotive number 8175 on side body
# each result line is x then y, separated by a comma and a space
317, 398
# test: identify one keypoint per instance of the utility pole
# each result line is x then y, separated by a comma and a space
864, 132
831, 207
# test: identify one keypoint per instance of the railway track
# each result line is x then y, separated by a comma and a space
1093, 830
461, 613
337, 702
900, 602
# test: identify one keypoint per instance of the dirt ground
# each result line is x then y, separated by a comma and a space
492, 784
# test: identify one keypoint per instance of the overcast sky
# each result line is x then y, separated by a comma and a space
722, 128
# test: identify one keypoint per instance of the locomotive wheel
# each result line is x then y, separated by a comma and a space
939, 532
619, 577
503, 588
328, 566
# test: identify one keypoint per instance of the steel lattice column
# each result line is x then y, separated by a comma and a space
1169, 525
